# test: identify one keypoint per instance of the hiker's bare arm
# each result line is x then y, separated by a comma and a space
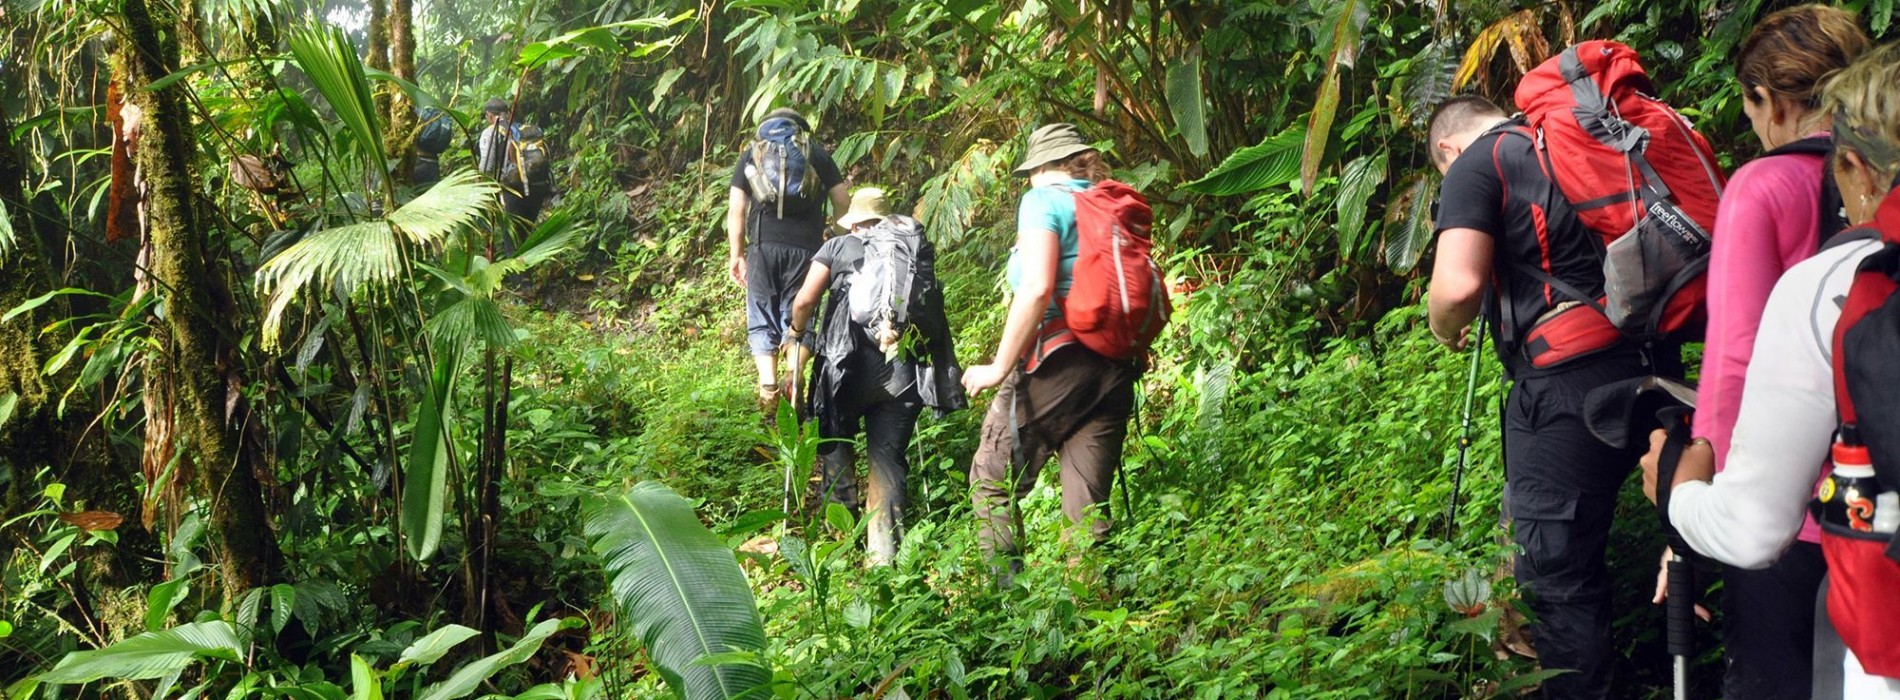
840, 202
736, 204
806, 304
1040, 251
1458, 278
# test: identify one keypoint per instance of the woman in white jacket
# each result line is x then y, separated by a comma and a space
1749, 513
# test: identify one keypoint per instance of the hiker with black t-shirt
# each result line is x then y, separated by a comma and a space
885, 353
1498, 210
775, 220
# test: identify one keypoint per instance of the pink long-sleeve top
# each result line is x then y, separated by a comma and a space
1767, 221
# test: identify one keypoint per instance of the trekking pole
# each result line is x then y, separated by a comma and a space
1679, 609
1464, 441
791, 361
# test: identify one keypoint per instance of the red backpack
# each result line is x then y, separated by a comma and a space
1117, 303
1864, 598
1637, 174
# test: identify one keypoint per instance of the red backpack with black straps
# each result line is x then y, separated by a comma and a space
1117, 303
1863, 563
1637, 174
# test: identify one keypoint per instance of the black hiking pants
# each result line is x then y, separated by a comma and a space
1561, 486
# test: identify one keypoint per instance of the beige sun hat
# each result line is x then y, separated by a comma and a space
1051, 143
867, 204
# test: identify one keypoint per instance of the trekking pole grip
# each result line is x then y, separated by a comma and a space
1681, 607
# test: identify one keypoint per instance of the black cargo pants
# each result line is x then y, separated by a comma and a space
1561, 486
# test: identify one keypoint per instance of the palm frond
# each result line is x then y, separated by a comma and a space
151, 655
465, 322
457, 201
326, 56
682, 589
346, 258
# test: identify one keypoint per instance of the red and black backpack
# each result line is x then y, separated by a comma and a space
1638, 175
1864, 600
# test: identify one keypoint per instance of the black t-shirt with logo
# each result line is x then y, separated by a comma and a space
1497, 187
805, 218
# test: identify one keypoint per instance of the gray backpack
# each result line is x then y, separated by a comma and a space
888, 289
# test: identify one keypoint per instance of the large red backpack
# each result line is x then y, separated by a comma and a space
1864, 600
1117, 303
1637, 174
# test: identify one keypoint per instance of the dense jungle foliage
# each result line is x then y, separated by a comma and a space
275, 422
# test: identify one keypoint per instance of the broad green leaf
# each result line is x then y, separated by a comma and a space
41, 300
1513, 685
1408, 221
7, 240
425, 480
1880, 16
164, 598
151, 655
8, 401
1187, 102
1357, 185
434, 645
1270, 163
467, 678
663, 86
682, 589
283, 601
365, 683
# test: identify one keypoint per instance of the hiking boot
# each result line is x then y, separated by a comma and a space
768, 399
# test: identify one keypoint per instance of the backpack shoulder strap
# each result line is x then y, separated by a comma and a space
1861, 233
1812, 145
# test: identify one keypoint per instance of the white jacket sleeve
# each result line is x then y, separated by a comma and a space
1755, 507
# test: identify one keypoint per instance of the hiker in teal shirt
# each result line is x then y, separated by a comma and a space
1050, 207
1054, 396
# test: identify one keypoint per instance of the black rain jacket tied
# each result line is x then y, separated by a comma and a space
844, 347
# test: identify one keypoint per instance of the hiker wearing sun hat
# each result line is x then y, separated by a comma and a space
867, 208
884, 353
1068, 398
775, 219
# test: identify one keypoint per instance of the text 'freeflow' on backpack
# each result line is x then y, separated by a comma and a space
889, 289
1638, 174
1117, 303
781, 165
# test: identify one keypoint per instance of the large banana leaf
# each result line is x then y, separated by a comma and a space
1186, 102
151, 655
681, 587
1357, 184
1270, 163
1340, 43
1408, 220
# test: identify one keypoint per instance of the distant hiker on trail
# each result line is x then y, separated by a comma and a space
1502, 218
1776, 212
1830, 323
1066, 366
435, 133
516, 157
884, 353
775, 220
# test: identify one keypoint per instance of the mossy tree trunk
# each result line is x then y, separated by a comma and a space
202, 354
28, 440
400, 138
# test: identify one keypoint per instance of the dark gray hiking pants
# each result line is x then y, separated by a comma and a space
1076, 406
888, 426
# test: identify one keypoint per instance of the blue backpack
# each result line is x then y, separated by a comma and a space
437, 132
781, 167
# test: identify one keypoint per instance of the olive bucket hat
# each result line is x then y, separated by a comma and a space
867, 204
1050, 143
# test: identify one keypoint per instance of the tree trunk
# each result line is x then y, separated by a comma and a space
201, 354
400, 138
378, 57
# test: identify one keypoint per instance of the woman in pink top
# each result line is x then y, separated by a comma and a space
1768, 220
